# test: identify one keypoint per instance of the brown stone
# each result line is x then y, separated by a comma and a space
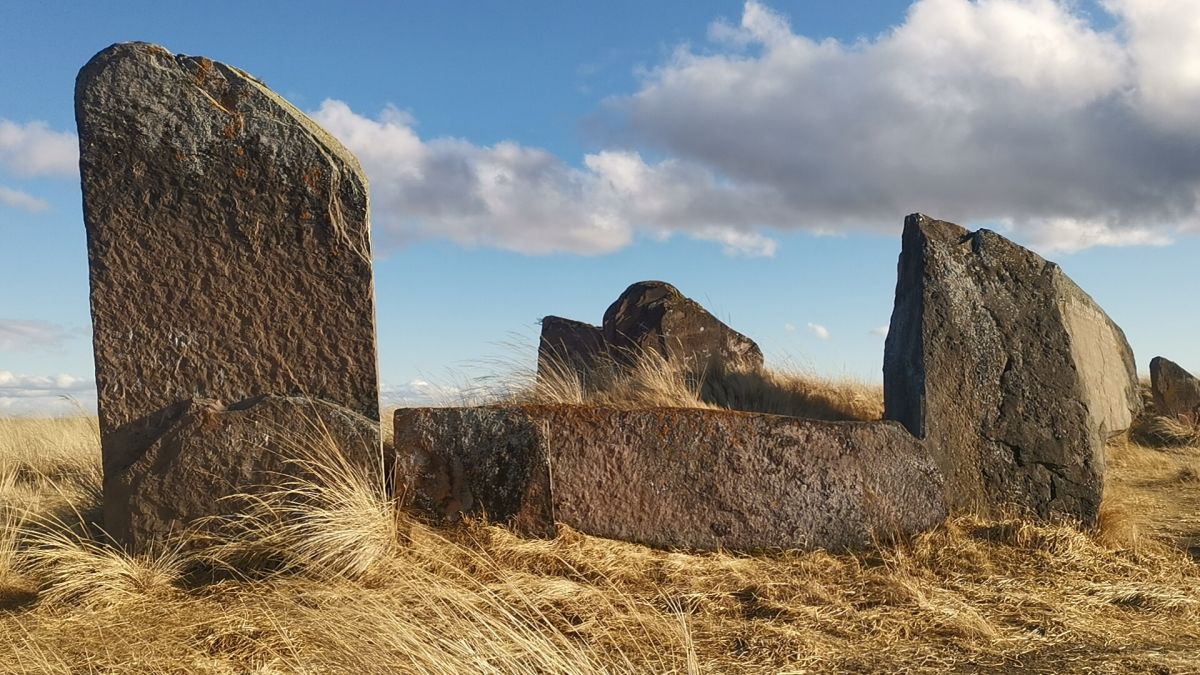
228, 242
208, 455
653, 316
568, 346
671, 477
1014, 376
1176, 391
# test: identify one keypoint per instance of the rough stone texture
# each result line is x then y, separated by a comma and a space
671, 477
208, 454
569, 344
228, 242
653, 316
1012, 374
1176, 391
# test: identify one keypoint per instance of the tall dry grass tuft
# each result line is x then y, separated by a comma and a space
328, 517
1168, 432
646, 379
84, 570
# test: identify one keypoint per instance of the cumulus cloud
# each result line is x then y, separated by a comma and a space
525, 199
21, 200
45, 394
25, 335
34, 149
1016, 113
818, 330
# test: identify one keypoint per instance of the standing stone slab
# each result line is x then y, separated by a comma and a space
1176, 391
671, 477
228, 242
1014, 376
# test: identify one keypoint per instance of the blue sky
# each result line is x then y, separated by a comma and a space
760, 156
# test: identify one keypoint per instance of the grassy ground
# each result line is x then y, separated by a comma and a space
353, 587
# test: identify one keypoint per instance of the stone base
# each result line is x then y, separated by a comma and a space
210, 454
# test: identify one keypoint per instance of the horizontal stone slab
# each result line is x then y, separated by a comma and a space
670, 477
209, 455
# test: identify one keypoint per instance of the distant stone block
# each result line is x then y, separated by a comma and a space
1176, 391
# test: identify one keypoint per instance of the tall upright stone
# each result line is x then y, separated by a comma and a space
1014, 376
229, 248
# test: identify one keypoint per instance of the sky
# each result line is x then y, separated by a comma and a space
538, 157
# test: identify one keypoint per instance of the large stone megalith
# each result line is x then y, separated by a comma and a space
230, 255
1014, 376
671, 477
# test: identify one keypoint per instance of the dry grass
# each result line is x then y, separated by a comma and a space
324, 576
652, 381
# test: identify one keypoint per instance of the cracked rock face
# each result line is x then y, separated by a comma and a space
671, 477
228, 245
1176, 391
1012, 375
648, 317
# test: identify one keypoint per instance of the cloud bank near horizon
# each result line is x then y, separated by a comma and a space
1020, 115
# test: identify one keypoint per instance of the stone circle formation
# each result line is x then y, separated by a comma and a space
234, 332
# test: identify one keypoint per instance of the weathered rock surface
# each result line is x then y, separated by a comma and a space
1176, 391
671, 477
571, 345
649, 317
653, 316
1014, 376
228, 243
208, 455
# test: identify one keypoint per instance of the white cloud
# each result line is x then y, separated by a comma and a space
789, 327
527, 200
418, 392
21, 200
881, 331
45, 394
1013, 111
818, 330
25, 335
34, 149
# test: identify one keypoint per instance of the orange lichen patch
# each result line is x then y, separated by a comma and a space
233, 127
240, 172
312, 177
203, 69
179, 156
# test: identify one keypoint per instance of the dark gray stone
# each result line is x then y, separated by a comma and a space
1176, 391
671, 477
1012, 375
654, 317
568, 346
